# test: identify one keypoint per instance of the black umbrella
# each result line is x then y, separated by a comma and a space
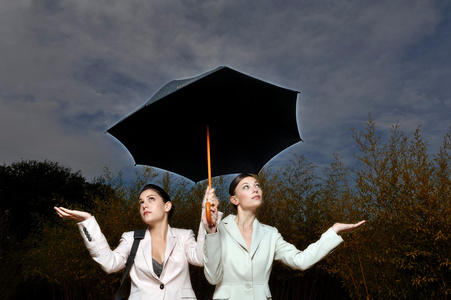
250, 121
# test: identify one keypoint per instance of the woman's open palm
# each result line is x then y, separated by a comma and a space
76, 215
344, 228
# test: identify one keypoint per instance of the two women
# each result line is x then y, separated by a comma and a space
238, 258
160, 269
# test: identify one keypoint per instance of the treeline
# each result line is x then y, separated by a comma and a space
403, 252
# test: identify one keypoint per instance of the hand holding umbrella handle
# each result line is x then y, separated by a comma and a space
210, 205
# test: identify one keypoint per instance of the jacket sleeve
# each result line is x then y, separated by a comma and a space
195, 250
302, 260
213, 268
110, 261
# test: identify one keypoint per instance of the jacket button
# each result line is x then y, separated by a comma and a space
161, 286
247, 285
88, 236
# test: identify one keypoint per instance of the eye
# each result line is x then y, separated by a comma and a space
140, 202
245, 187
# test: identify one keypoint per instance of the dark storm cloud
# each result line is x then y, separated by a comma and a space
71, 69
101, 76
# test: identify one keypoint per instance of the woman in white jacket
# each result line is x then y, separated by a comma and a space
238, 258
161, 265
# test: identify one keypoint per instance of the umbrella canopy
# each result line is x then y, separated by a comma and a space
250, 121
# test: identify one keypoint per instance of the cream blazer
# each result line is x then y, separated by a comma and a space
174, 282
239, 273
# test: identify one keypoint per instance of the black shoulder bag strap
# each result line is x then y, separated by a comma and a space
138, 236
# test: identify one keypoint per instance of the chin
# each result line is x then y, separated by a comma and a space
146, 219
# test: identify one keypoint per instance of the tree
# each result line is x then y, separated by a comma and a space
28, 188
291, 203
394, 183
404, 194
28, 191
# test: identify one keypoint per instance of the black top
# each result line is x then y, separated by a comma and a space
157, 267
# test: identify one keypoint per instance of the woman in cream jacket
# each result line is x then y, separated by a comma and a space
161, 266
238, 258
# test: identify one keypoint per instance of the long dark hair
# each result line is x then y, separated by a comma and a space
162, 193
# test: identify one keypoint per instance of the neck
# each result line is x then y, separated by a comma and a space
245, 219
159, 230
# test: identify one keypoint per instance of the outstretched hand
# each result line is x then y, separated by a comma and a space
210, 196
344, 228
68, 214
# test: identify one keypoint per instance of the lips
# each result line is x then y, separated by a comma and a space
256, 197
147, 212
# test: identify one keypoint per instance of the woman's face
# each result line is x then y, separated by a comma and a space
152, 207
248, 194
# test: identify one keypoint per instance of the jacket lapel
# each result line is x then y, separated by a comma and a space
257, 236
232, 229
171, 241
146, 250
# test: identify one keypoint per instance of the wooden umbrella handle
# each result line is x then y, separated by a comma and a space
208, 212
208, 204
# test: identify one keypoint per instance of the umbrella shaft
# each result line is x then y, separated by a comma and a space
208, 157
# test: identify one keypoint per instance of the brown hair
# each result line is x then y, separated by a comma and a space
235, 183
162, 193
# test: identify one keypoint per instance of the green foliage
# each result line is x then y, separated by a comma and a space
404, 193
28, 192
403, 251
28, 187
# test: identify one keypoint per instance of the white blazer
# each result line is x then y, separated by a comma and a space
239, 273
173, 283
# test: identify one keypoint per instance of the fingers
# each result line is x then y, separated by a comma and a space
353, 227
346, 228
65, 213
214, 216
360, 223
214, 201
210, 196
206, 192
72, 214
58, 211
61, 211
210, 227
209, 191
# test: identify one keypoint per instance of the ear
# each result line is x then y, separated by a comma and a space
167, 206
234, 200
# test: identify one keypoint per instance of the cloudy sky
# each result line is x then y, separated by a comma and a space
71, 69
